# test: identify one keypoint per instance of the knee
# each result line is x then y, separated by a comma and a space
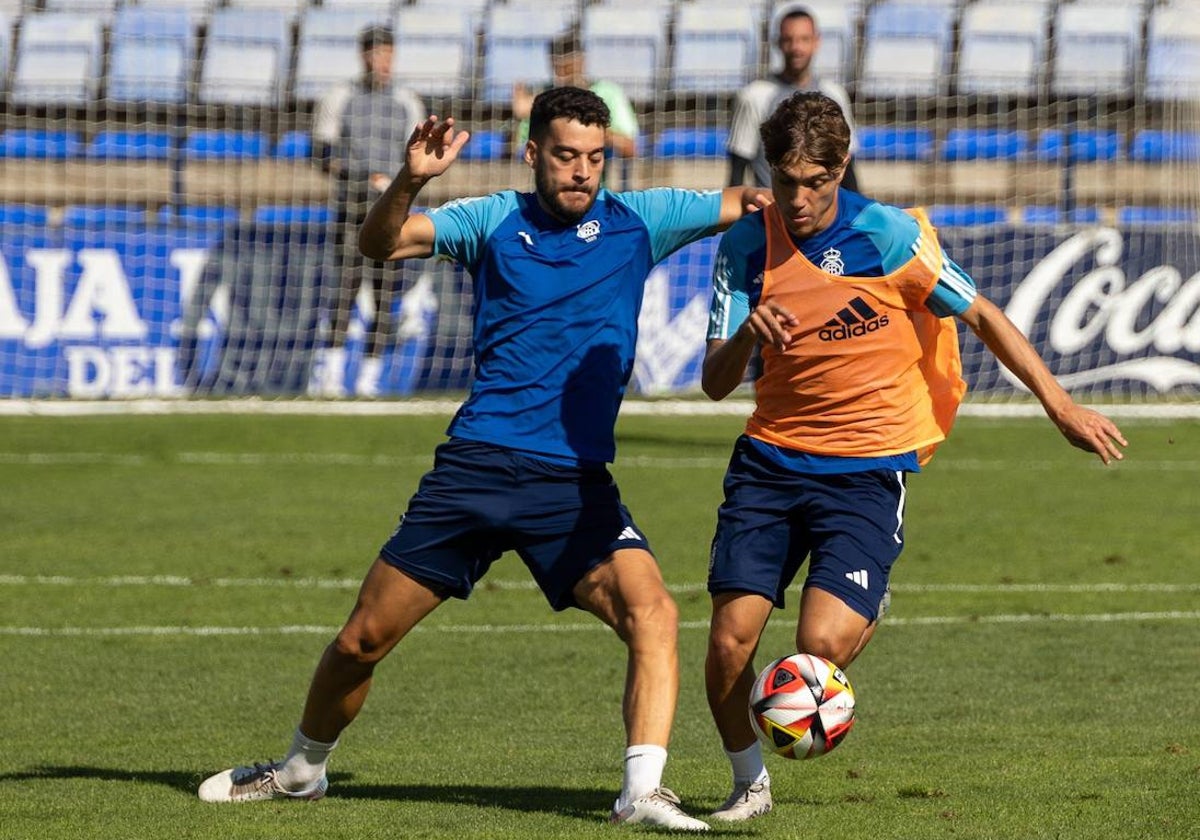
653, 618
360, 643
731, 647
838, 648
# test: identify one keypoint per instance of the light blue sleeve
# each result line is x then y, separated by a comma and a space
896, 234
462, 227
674, 217
738, 264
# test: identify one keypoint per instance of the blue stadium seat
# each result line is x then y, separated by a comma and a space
1002, 47
435, 49
294, 145
197, 215
1080, 146
691, 142
1159, 146
967, 215
888, 143
40, 144
130, 145
151, 55
985, 144
1042, 214
1173, 53
24, 214
716, 47
516, 48
103, 10
293, 214
1096, 48
216, 144
246, 57
327, 51
58, 60
627, 46
907, 49
485, 145
1134, 215
100, 216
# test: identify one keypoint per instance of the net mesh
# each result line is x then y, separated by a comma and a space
170, 226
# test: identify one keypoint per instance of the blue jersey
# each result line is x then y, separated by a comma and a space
556, 310
866, 239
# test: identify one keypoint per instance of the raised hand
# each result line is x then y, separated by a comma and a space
433, 146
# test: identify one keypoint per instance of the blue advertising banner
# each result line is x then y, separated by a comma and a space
138, 311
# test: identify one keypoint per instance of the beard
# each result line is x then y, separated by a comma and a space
555, 199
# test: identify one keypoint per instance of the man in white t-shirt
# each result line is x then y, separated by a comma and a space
798, 41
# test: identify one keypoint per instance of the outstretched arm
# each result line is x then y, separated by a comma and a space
738, 201
391, 231
1084, 428
725, 360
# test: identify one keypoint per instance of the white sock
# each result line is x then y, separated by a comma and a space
370, 371
305, 763
333, 374
748, 767
644, 765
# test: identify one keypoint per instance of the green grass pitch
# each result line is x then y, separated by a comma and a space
167, 583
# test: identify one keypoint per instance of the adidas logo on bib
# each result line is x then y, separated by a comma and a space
856, 319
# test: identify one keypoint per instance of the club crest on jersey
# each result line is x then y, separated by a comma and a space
588, 231
857, 318
831, 262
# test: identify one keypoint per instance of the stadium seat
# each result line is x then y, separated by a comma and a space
130, 145
1096, 48
104, 10
291, 8
888, 143
1134, 215
24, 214
327, 50
985, 144
1159, 146
1040, 214
246, 57
198, 11
837, 23
151, 55
1002, 48
627, 46
58, 60
293, 145
967, 215
906, 49
40, 144
100, 216
435, 49
691, 142
197, 215
716, 47
293, 214
217, 144
1078, 146
485, 145
516, 42
1173, 53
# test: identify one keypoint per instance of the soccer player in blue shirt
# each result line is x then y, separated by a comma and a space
559, 274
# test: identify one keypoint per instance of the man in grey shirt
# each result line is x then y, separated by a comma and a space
360, 133
798, 42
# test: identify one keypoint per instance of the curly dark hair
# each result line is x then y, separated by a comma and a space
571, 103
808, 127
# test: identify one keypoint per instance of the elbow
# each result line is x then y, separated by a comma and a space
371, 247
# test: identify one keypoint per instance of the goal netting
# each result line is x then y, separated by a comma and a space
170, 228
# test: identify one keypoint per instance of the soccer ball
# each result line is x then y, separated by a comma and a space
801, 706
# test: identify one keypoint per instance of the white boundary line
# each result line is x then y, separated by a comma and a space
431, 407
493, 629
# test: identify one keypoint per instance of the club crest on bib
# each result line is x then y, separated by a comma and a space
588, 231
831, 262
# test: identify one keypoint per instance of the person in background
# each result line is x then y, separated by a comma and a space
798, 40
360, 129
567, 65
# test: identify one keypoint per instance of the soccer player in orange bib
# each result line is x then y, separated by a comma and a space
853, 305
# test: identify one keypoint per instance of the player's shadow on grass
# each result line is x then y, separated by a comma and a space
168, 778
574, 802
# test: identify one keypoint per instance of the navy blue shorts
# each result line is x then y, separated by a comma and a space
850, 526
480, 501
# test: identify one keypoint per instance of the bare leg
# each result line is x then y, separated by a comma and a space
738, 620
390, 604
829, 628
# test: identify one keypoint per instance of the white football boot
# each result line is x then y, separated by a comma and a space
745, 803
659, 808
253, 784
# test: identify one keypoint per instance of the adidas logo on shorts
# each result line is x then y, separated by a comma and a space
859, 577
857, 318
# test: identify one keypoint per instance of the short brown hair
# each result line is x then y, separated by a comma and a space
806, 127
